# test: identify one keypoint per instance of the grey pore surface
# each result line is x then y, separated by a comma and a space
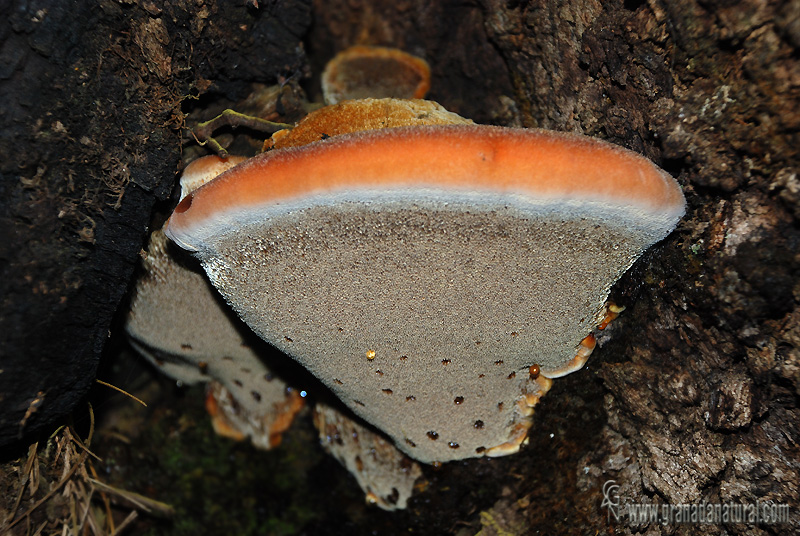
179, 322
386, 475
425, 319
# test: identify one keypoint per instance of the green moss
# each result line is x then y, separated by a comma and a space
219, 486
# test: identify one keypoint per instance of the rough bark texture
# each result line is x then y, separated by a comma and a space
693, 395
702, 373
90, 139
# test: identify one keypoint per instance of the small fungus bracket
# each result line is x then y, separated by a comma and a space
611, 313
203, 133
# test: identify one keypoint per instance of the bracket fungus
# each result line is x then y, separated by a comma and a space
386, 475
375, 72
200, 171
363, 114
178, 321
423, 272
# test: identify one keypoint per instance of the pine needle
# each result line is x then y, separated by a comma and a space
124, 392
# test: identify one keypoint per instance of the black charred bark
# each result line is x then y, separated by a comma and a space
90, 140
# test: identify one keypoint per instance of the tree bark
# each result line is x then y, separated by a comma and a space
698, 380
92, 121
693, 393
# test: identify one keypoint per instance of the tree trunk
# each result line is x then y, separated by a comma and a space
90, 141
699, 380
693, 394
